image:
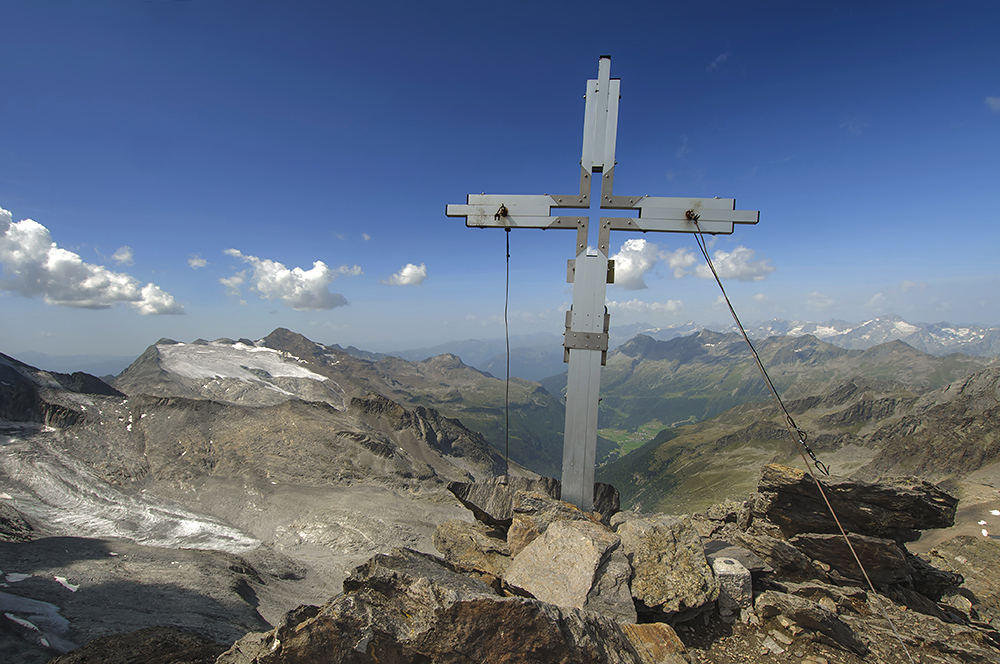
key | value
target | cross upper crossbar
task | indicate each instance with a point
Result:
(586, 337)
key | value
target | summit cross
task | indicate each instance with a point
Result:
(586, 336)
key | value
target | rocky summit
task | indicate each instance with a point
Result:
(728, 585)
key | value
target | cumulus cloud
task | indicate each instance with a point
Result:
(299, 289)
(123, 256)
(737, 264)
(197, 261)
(636, 306)
(409, 275)
(234, 282)
(34, 266)
(993, 103)
(635, 258)
(818, 300)
(722, 57)
(679, 261)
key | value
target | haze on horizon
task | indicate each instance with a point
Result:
(219, 169)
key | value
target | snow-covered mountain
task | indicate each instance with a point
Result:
(931, 338)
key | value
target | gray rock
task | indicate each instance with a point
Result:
(472, 545)
(533, 512)
(841, 598)
(669, 570)
(720, 548)
(408, 607)
(735, 588)
(491, 501)
(576, 564)
(778, 554)
(883, 560)
(895, 508)
(809, 615)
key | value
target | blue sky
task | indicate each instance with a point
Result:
(211, 168)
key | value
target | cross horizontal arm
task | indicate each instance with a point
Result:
(517, 211)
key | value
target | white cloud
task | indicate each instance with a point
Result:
(366, 237)
(993, 103)
(409, 275)
(877, 301)
(197, 261)
(637, 306)
(123, 256)
(33, 266)
(737, 264)
(352, 271)
(722, 57)
(759, 298)
(679, 261)
(302, 290)
(818, 300)
(234, 282)
(635, 258)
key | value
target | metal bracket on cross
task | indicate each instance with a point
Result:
(586, 336)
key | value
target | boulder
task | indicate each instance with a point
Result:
(670, 574)
(491, 501)
(895, 508)
(884, 561)
(533, 512)
(576, 564)
(809, 615)
(735, 588)
(776, 553)
(722, 549)
(411, 607)
(472, 545)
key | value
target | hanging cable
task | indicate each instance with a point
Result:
(797, 434)
(506, 392)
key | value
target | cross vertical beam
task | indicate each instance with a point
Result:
(586, 337)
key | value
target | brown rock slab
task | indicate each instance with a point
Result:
(897, 508)
(883, 560)
(656, 643)
(472, 545)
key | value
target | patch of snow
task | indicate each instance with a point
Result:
(985, 533)
(825, 331)
(72, 587)
(220, 361)
(14, 577)
(905, 328)
(5, 496)
(995, 512)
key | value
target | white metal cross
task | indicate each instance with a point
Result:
(586, 337)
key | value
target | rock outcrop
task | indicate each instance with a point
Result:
(574, 588)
